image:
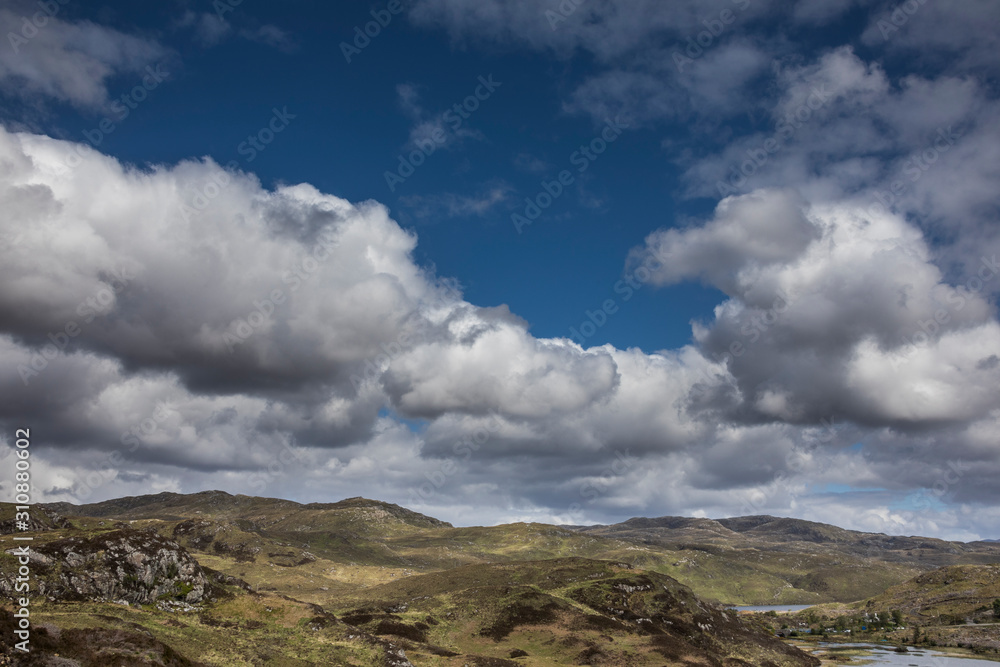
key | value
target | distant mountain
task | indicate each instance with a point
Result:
(264, 511)
(789, 534)
(742, 560)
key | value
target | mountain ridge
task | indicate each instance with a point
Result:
(213, 578)
(742, 525)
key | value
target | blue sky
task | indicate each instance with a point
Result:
(711, 324)
(351, 126)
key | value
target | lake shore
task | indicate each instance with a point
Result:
(837, 652)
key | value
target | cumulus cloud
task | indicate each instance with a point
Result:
(747, 233)
(835, 311)
(208, 340)
(286, 342)
(256, 318)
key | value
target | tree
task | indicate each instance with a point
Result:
(916, 634)
(897, 617)
(996, 608)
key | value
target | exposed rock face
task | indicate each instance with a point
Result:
(139, 567)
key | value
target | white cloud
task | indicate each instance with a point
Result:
(747, 233)
(361, 329)
(835, 311)
(70, 62)
(825, 293)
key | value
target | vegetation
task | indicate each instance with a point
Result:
(948, 607)
(217, 579)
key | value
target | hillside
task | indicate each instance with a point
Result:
(956, 593)
(953, 606)
(222, 588)
(271, 513)
(747, 560)
(793, 535)
(562, 611)
(374, 579)
(780, 560)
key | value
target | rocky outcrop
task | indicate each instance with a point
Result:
(40, 518)
(138, 567)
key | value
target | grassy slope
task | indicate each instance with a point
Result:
(360, 554)
(559, 611)
(955, 591)
(749, 560)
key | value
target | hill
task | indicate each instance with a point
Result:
(270, 513)
(563, 611)
(948, 594)
(953, 606)
(779, 560)
(746, 560)
(367, 575)
(160, 590)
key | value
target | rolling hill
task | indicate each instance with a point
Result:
(370, 583)
(745, 560)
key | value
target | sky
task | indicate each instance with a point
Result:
(507, 260)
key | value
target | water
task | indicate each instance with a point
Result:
(774, 607)
(881, 655)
